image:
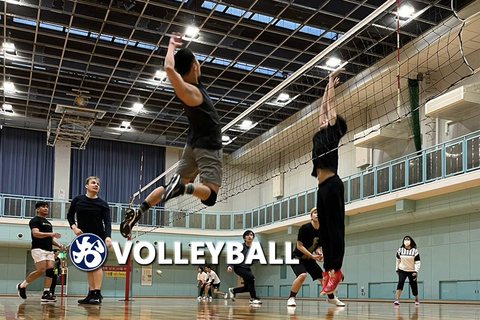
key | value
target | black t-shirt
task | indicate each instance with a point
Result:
(310, 237)
(325, 143)
(93, 216)
(43, 225)
(242, 264)
(205, 129)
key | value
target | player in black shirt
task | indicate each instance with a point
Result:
(245, 272)
(43, 238)
(330, 197)
(203, 151)
(308, 251)
(93, 216)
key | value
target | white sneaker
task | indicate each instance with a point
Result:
(336, 302)
(255, 301)
(203, 298)
(210, 299)
(232, 295)
(225, 296)
(199, 298)
(291, 302)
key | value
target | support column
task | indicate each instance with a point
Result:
(61, 180)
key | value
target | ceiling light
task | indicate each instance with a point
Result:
(125, 125)
(247, 125)
(137, 107)
(191, 31)
(160, 75)
(8, 86)
(282, 97)
(333, 62)
(406, 11)
(6, 107)
(9, 47)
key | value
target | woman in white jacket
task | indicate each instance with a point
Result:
(407, 265)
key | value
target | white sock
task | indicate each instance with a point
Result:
(24, 284)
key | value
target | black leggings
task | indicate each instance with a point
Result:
(248, 281)
(331, 216)
(402, 276)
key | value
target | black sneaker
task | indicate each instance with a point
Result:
(95, 299)
(22, 292)
(47, 297)
(131, 218)
(86, 299)
(173, 188)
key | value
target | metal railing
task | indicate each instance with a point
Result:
(450, 158)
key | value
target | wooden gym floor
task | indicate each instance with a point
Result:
(181, 308)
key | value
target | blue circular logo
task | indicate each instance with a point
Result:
(88, 252)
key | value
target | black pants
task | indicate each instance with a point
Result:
(331, 216)
(201, 289)
(402, 276)
(54, 284)
(248, 281)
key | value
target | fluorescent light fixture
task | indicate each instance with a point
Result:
(191, 31)
(125, 126)
(226, 140)
(137, 107)
(333, 62)
(283, 97)
(8, 86)
(333, 68)
(9, 47)
(247, 125)
(7, 106)
(160, 75)
(406, 11)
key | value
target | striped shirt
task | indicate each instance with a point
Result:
(407, 260)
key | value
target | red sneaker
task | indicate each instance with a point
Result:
(325, 277)
(335, 277)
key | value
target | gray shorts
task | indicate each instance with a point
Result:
(206, 162)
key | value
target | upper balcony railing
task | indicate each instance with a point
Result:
(450, 158)
(454, 157)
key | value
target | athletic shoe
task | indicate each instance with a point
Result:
(47, 297)
(291, 302)
(131, 218)
(255, 301)
(334, 279)
(210, 299)
(199, 298)
(173, 189)
(417, 302)
(231, 294)
(86, 299)
(336, 302)
(22, 292)
(225, 296)
(95, 299)
(396, 302)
